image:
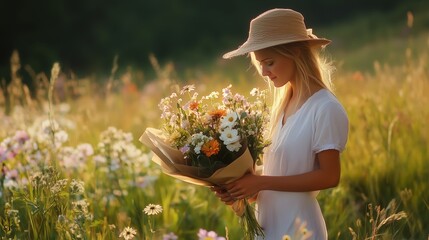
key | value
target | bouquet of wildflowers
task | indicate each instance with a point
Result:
(211, 140)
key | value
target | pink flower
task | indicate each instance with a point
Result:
(170, 236)
(12, 174)
(185, 149)
(5, 154)
(208, 235)
(21, 136)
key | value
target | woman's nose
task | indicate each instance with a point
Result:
(264, 72)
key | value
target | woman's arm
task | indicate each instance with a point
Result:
(327, 176)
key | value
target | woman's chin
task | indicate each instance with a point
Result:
(278, 85)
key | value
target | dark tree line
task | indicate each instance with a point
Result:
(86, 35)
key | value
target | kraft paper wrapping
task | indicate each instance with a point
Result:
(172, 163)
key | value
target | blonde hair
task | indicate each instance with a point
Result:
(310, 67)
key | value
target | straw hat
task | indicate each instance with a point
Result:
(275, 27)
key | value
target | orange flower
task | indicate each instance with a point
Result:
(194, 105)
(211, 147)
(217, 113)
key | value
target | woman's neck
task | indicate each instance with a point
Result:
(301, 94)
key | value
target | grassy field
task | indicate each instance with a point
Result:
(95, 179)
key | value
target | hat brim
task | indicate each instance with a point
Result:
(251, 47)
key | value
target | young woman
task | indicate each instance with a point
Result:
(309, 127)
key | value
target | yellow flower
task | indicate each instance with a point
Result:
(304, 231)
(211, 147)
(286, 237)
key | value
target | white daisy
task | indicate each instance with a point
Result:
(230, 120)
(234, 147)
(229, 135)
(128, 233)
(187, 88)
(152, 209)
(254, 92)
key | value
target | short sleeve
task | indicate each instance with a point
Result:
(331, 127)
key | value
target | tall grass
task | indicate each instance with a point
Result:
(384, 174)
(391, 138)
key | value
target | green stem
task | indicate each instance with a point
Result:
(250, 224)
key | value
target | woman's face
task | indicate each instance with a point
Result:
(275, 66)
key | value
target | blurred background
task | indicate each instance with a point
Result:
(119, 59)
(85, 36)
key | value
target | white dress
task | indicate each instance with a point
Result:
(320, 124)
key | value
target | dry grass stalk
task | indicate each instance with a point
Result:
(16, 92)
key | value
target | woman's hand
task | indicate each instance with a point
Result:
(246, 187)
(223, 195)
